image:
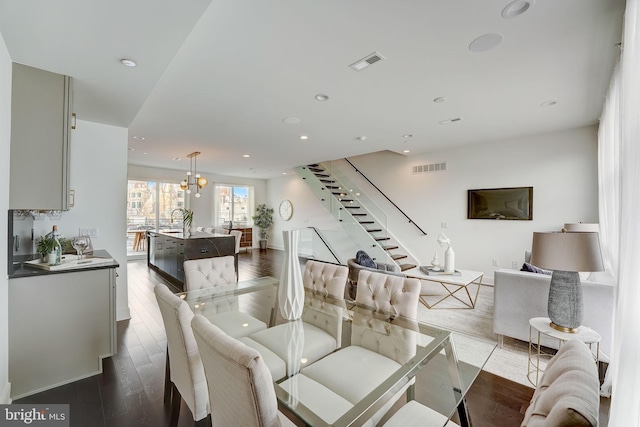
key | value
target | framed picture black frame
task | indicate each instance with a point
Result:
(514, 203)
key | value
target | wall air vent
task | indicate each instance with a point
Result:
(366, 61)
(433, 167)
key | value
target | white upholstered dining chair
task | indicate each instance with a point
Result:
(186, 373)
(223, 312)
(378, 348)
(240, 386)
(320, 327)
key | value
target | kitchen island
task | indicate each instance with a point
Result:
(167, 251)
(62, 322)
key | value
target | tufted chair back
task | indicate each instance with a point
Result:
(208, 272)
(390, 294)
(568, 392)
(328, 279)
(383, 337)
(187, 372)
(238, 235)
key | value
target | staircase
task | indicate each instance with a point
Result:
(360, 217)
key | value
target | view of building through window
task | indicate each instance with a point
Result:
(149, 207)
(233, 203)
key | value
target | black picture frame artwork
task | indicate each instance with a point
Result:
(515, 203)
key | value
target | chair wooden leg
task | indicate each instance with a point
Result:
(176, 400)
(167, 382)
(235, 262)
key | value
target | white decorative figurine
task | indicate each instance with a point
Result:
(449, 255)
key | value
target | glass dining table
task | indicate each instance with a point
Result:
(435, 366)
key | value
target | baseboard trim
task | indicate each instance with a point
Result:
(5, 396)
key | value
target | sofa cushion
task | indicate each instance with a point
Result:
(362, 258)
(533, 269)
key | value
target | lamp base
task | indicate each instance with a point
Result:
(565, 301)
(563, 329)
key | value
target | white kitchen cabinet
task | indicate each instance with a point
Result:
(61, 326)
(40, 128)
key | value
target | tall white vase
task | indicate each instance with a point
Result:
(291, 289)
(449, 260)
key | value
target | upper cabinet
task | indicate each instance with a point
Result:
(40, 134)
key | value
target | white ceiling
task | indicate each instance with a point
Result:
(220, 76)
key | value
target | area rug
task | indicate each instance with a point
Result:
(509, 360)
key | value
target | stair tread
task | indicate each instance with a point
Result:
(404, 267)
(373, 230)
(379, 239)
(389, 247)
(398, 256)
(352, 207)
(366, 222)
(359, 214)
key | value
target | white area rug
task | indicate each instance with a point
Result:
(508, 361)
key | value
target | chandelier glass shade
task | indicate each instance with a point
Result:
(193, 178)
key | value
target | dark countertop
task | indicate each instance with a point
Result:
(19, 270)
(192, 236)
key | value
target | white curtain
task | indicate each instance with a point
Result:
(620, 190)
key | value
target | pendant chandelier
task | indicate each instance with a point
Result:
(193, 177)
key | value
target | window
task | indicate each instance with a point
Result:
(233, 203)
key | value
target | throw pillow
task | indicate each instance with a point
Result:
(363, 259)
(533, 269)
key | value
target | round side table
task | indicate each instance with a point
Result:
(541, 326)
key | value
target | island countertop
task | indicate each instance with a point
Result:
(191, 236)
(18, 269)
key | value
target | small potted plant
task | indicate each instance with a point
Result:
(46, 247)
(263, 219)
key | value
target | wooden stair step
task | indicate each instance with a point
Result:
(404, 267)
(398, 256)
(352, 207)
(321, 175)
(366, 222)
(373, 230)
(339, 194)
(389, 247)
(316, 169)
(380, 239)
(346, 200)
(332, 187)
(358, 214)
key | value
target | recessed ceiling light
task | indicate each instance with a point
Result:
(284, 173)
(548, 103)
(246, 155)
(128, 62)
(517, 7)
(144, 154)
(439, 100)
(139, 138)
(407, 135)
(291, 120)
(361, 138)
(303, 137)
(486, 42)
(406, 151)
(177, 159)
(321, 97)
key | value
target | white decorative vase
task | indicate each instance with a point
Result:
(291, 289)
(435, 262)
(449, 260)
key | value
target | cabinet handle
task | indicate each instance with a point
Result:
(73, 120)
(204, 251)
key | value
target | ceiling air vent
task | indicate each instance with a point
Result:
(433, 167)
(366, 61)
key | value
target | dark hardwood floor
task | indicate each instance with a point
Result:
(129, 392)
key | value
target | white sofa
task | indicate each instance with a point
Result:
(519, 296)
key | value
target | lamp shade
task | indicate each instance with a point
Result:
(575, 251)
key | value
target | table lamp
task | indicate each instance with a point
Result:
(566, 254)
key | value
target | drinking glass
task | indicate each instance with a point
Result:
(80, 243)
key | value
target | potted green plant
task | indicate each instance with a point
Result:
(263, 219)
(46, 246)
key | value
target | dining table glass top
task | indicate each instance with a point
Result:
(436, 366)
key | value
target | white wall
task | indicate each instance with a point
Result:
(203, 214)
(5, 139)
(99, 178)
(561, 167)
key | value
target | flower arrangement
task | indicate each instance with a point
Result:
(443, 240)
